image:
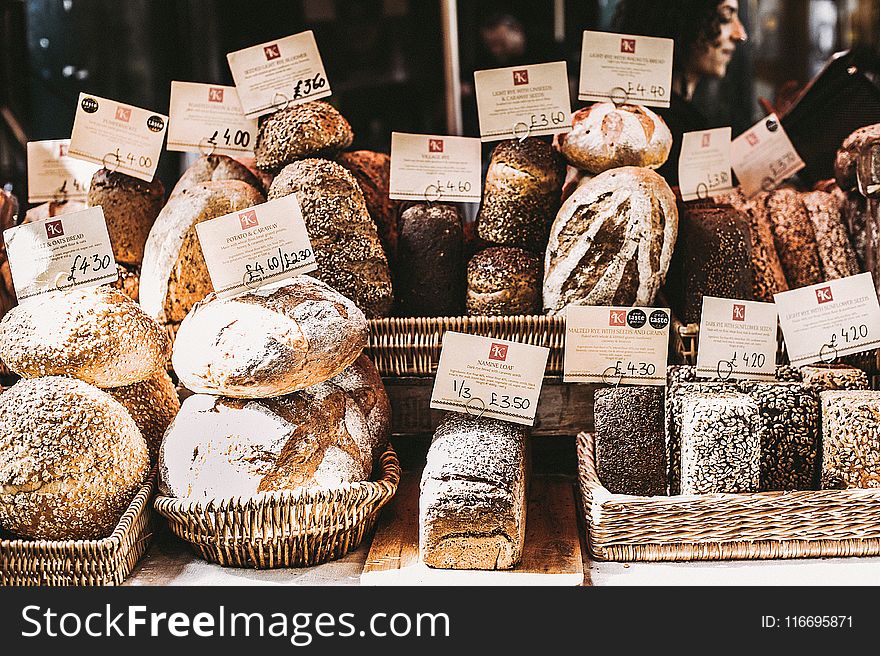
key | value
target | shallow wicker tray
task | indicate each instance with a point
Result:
(805, 524)
(82, 562)
(283, 529)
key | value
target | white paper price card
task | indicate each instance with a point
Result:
(737, 339)
(615, 345)
(278, 74)
(523, 101)
(826, 321)
(704, 165)
(254, 247)
(60, 253)
(626, 68)
(53, 175)
(118, 137)
(435, 168)
(763, 156)
(487, 377)
(208, 119)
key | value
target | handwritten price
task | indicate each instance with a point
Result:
(503, 401)
(718, 180)
(282, 262)
(239, 138)
(640, 90)
(849, 335)
(305, 87)
(781, 165)
(85, 264)
(634, 369)
(748, 360)
(141, 161)
(538, 121)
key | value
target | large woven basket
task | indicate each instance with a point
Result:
(805, 524)
(283, 529)
(82, 562)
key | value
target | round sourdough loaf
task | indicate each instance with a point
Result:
(98, 335)
(312, 129)
(71, 459)
(503, 280)
(269, 342)
(364, 384)
(152, 404)
(215, 168)
(612, 241)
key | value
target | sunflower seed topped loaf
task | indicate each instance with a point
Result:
(521, 194)
(215, 168)
(71, 460)
(272, 341)
(97, 334)
(605, 136)
(311, 129)
(848, 155)
(503, 280)
(834, 377)
(850, 439)
(152, 404)
(472, 501)
(373, 174)
(612, 241)
(795, 238)
(344, 237)
(836, 254)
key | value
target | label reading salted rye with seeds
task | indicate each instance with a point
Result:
(60, 253)
(55, 176)
(208, 119)
(254, 247)
(435, 168)
(704, 164)
(616, 345)
(826, 321)
(737, 339)
(763, 156)
(487, 377)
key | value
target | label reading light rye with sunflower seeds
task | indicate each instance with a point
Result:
(433, 168)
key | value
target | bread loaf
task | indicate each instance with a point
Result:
(345, 240)
(612, 241)
(848, 154)
(97, 334)
(834, 377)
(521, 194)
(472, 505)
(373, 174)
(51, 209)
(268, 342)
(605, 136)
(71, 460)
(265, 177)
(152, 404)
(311, 129)
(854, 210)
(130, 207)
(215, 168)
(503, 280)
(850, 439)
(430, 273)
(8, 217)
(129, 281)
(362, 382)
(795, 238)
(836, 254)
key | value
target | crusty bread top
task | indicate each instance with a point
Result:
(105, 180)
(541, 169)
(499, 267)
(311, 129)
(215, 168)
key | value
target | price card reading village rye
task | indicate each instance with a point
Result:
(208, 119)
(829, 320)
(737, 339)
(60, 253)
(625, 345)
(435, 168)
(763, 156)
(119, 137)
(53, 175)
(626, 68)
(523, 101)
(278, 74)
(704, 164)
(487, 377)
(250, 248)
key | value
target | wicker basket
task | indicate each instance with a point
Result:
(283, 529)
(82, 562)
(805, 524)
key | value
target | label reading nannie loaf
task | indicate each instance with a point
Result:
(487, 377)
(737, 339)
(704, 165)
(523, 101)
(826, 321)
(432, 168)
(278, 74)
(763, 156)
(118, 137)
(616, 345)
(60, 253)
(208, 119)
(626, 68)
(55, 176)
(248, 249)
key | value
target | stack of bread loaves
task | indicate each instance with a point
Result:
(78, 432)
(283, 397)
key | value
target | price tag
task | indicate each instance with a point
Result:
(763, 156)
(435, 168)
(829, 320)
(208, 119)
(278, 74)
(704, 165)
(737, 339)
(60, 253)
(615, 345)
(523, 101)
(248, 249)
(489, 377)
(53, 175)
(626, 68)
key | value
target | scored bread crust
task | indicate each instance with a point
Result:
(215, 168)
(312, 129)
(152, 404)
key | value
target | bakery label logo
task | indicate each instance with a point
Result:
(62, 150)
(707, 140)
(215, 95)
(272, 52)
(123, 113)
(617, 318)
(520, 77)
(498, 352)
(54, 229)
(628, 46)
(824, 295)
(739, 312)
(248, 219)
(752, 139)
(435, 145)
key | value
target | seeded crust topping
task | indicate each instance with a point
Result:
(153, 405)
(312, 129)
(503, 280)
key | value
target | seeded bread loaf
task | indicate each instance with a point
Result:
(129, 281)
(836, 254)
(373, 174)
(503, 280)
(848, 155)
(152, 404)
(215, 168)
(834, 377)
(71, 460)
(850, 439)
(311, 129)
(795, 238)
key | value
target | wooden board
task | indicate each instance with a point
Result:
(551, 555)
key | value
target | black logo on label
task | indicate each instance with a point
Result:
(636, 318)
(659, 319)
(156, 123)
(89, 105)
(772, 125)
